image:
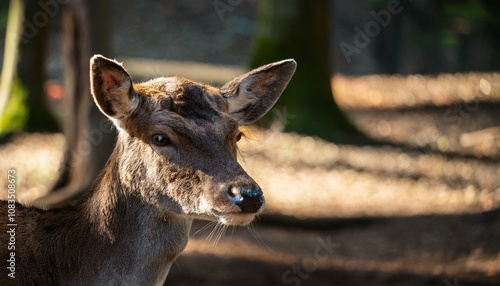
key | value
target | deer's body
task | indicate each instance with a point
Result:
(175, 160)
(107, 238)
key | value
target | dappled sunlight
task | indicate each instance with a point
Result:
(446, 113)
(309, 177)
(399, 91)
(375, 248)
(36, 158)
(432, 201)
(369, 149)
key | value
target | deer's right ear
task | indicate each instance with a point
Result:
(112, 88)
(253, 94)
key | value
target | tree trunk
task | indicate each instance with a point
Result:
(32, 45)
(14, 27)
(89, 138)
(299, 29)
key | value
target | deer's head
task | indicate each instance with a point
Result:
(178, 138)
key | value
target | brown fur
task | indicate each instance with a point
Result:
(134, 222)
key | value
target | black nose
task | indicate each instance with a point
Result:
(250, 200)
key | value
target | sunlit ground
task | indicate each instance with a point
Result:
(429, 208)
(307, 177)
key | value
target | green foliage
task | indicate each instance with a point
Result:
(15, 114)
(450, 38)
(470, 10)
(466, 11)
(3, 18)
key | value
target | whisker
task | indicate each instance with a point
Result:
(232, 232)
(211, 234)
(203, 227)
(257, 237)
(221, 232)
(214, 232)
(177, 264)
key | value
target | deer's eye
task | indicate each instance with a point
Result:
(161, 140)
(238, 137)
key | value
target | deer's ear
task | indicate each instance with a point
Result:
(112, 88)
(253, 94)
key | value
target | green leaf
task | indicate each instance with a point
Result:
(16, 112)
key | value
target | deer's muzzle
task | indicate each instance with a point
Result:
(249, 200)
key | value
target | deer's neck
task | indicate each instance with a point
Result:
(140, 241)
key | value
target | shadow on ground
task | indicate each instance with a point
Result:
(421, 250)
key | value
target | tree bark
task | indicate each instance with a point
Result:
(89, 138)
(299, 29)
(32, 45)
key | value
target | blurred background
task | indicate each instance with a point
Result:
(380, 162)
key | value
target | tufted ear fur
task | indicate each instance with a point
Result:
(112, 88)
(253, 94)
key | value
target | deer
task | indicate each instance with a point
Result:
(175, 160)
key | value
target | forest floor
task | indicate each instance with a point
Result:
(423, 209)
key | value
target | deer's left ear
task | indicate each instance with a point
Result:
(253, 94)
